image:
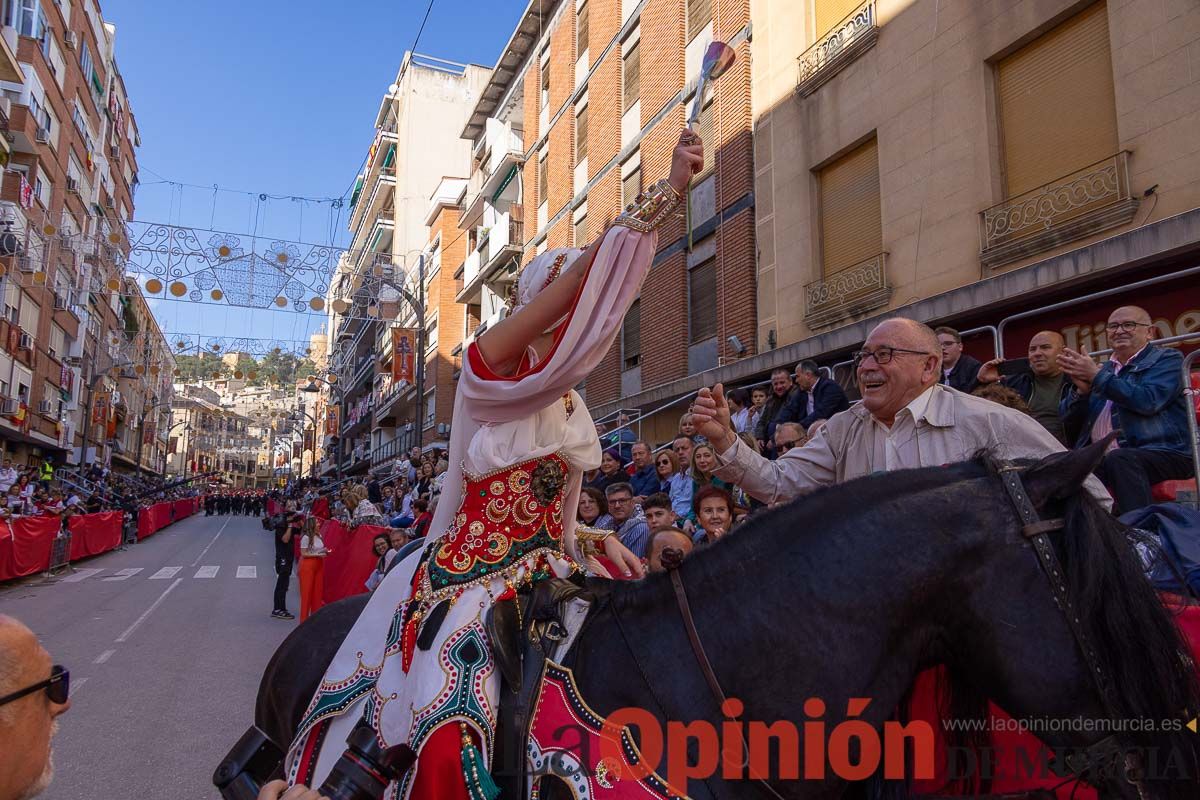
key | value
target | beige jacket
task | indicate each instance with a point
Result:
(940, 427)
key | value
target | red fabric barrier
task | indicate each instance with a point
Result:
(93, 534)
(1015, 750)
(351, 559)
(25, 545)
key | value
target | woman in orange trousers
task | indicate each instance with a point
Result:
(312, 569)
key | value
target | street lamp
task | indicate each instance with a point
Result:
(187, 428)
(142, 432)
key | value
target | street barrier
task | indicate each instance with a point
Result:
(28, 544)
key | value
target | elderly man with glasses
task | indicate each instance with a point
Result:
(1138, 393)
(906, 419)
(32, 696)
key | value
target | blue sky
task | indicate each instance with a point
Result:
(275, 97)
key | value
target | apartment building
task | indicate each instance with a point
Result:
(973, 164)
(67, 189)
(139, 406)
(416, 144)
(582, 112)
(206, 436)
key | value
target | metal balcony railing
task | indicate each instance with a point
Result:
(1085, 202)
(832, 52)
(847, 293)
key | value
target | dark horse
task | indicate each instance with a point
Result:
(849, 593)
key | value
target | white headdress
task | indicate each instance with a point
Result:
(540, 273)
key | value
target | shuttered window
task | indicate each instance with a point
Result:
(851, 230)
(543, 179)
(581, 135)
(699, 14)
(633, 76)
(581, 30)
(545, 83)
(704, 129)
(828, 13)
(1057, 107)
(631, 186)
(631, 336)
(581, 231)
(702, 301)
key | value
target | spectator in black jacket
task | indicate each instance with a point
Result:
(1044, 387)
(781, 389)
(815, 397)
(959, 370)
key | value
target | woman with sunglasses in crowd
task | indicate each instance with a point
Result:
(674, 481)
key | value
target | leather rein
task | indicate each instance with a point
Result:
(1036, 531)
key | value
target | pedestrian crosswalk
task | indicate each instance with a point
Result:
(204, 572)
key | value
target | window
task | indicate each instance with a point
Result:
(85, 61)
(543, 179)
(58, 342)
(42, 188)
(12, 300)
(699, 14)
(851, 231)
(23, 379)
(431, 335)
(631, 185)
(581, 135)
(581, 231)
(49, 392)
(633, 76)
(581, 30)
(430, 407)
(1057, 106)
(704, 129)
(545, 82)
(702, 301)
(24, 16)
(631, 336)
(828, 13)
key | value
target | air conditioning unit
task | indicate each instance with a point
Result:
(26, 342)
(108, 203)
(26, 264)
(10, 406)
(73, 361)
(45, 407)
(69, 40)
(42, 135)
(114, 151)
(61, 302)
(72, 185)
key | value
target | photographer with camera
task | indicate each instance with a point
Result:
(287, 526)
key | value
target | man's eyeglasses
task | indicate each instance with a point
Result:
(783, 447)
(1128, 327)
(883, 355)
(57, 686)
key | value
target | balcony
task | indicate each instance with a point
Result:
(390, 451)
(833, 52)
(846, 294)
(1081, 204)
(500, 151)
(500, 244)
(382, 191)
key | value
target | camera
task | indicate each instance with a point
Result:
(362, 772)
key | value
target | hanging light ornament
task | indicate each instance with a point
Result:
(181, 344)
(154, 286)
(316, 304)
(113, 285)
(39, 278)
(237, 373)
(340, 306)
(177, 371)
(252, 375)
(216, 294)
(178, 288)
(114, 237)
(49, 229)
(372, 311)
(154, 370)
(140, 369)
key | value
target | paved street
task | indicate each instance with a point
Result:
(166, 642)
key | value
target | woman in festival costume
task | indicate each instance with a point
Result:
(417, 665)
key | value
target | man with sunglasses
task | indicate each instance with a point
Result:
(1138, 393)
(906, 419)
(33, 693)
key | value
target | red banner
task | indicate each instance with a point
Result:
(351, 559)
(100, 409)
(331, 420)
(404, 348)
(93, 534)
(25, 545)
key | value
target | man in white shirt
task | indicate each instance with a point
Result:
(8, 476)
(904, 420)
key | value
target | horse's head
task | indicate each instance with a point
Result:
(1012, 639)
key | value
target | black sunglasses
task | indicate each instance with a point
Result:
(57, 686)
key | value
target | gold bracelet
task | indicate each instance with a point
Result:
(651, 208)
(590, 538)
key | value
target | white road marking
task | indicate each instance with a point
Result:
(129, 631)
(105, 656)
(76, 685)
(82, 575)
(247, 572)
(165, 573)
(210, 544)
(124, 574)
(207, 572)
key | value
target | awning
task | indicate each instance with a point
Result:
(358, 185)
(504, 184)
(389, 158)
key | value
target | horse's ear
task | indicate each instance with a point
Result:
(1060, 475)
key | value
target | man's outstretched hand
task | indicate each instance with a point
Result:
(710, 413)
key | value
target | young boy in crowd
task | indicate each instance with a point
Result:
(658, 512)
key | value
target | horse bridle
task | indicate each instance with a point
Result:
(1036, 531)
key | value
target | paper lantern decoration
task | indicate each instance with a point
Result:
(39, 278)
(223, 251)
(341, 306)
(113, 285)
(252, 375)
(181, 344)
(215, 347)
(276, 351)
(216, 294)
(372, 311)
(114, 237)
(316, 304)
(177, 371)
(281, 301)
(154, 286)
(154, 370)
(237, 373)
(332, 378)
(178, 289)
(140, 369)
(49, 229)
